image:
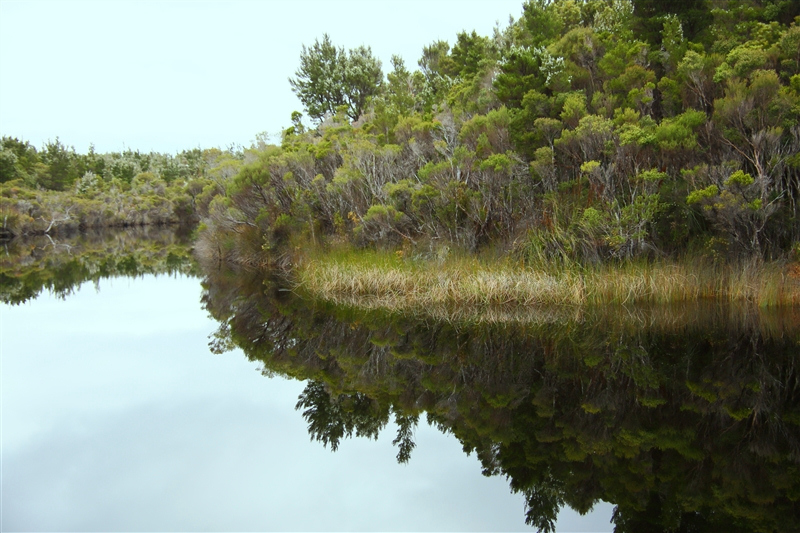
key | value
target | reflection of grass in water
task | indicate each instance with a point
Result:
(499, 290)
(771, 322)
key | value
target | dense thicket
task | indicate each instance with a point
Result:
(584, 130)
(56, 189)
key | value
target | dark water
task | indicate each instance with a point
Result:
(119, 415)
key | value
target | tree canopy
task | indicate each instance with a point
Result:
(329, 77)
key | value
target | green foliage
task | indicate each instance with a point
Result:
(602, 130)
(541, 22)
(436, 61)
(497, 162)
(652, 175)
(741, 61)
(468, 53)
(520, 72)
(573, 109)
(8, 166)
(694, 17)
(381, 224)
(329, 77)
(61, 165)
(18, 160)
(679, 132)
(590, 166)
(739, 178)
(703, 194)
(59, 190)
(401, 96)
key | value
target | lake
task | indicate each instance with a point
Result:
(141, 391)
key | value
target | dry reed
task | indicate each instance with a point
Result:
(381, 280)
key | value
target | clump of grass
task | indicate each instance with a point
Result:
(387, 279)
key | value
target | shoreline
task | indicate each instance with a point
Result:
(371, 279)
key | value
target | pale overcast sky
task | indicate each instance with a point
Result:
(168, 76)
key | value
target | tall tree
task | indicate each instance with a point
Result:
(329, 78)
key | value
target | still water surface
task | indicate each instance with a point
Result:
(141, 391)
(116, 416)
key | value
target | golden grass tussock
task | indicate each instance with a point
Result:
(373, 279)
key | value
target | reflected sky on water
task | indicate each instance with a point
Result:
(117, 417)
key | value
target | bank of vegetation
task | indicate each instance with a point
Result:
(55, 190)
(595, 137)
(585, 135)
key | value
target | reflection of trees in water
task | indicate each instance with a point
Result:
(688, 425)
(60, 265)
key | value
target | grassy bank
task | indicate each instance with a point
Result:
(389, 280)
